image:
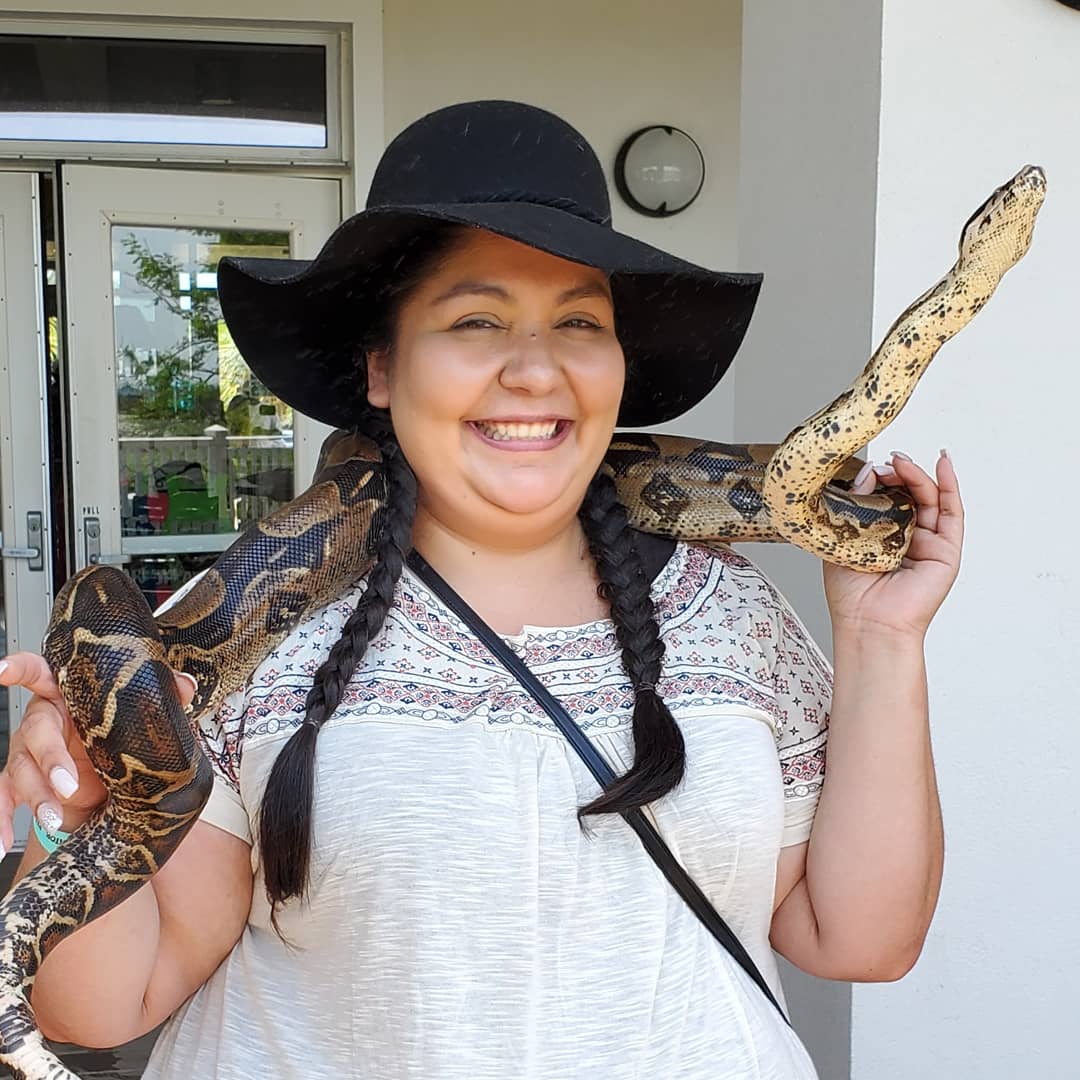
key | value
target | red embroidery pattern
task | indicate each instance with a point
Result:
(731, 640)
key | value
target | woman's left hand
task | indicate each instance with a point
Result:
(905, 600)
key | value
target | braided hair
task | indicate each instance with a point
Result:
(659, 750)
(285, 815)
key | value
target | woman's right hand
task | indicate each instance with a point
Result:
(47, 767)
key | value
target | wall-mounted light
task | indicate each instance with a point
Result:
(659, 170)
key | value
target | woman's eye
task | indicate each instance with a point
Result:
(582, 324)
(475, 324)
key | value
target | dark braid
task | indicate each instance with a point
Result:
(285, 816)
(659, 751)
(286, 811)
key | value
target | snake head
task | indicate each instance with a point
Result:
(1002, 227)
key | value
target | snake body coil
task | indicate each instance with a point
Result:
(112, 659)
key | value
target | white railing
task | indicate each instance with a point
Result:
(249, 475)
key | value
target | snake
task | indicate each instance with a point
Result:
(113, 659)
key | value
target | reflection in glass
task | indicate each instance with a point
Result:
(204, 447)
(159, 576)
(131, 90)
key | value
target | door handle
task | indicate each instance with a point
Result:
(92, 546)
(33, 552)
(20, 553)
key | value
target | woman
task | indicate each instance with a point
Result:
(390, 879)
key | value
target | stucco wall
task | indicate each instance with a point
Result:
(869, 134)
(995, 85)
(806, 204)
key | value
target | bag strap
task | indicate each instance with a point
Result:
(653, 843)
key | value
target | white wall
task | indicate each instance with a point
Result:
(869, 133)
(806, 203)
(994, 85)
(608, 70)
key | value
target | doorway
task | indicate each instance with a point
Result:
(164, 446)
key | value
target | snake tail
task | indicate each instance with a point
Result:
(113, 661)
(994, 239)
(123, 702)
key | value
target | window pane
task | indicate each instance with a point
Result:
(204, 447)
(194, 92)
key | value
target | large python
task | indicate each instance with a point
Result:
(112, 659)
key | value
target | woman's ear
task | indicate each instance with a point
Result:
(378, 379)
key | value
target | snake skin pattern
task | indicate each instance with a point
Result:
(112, 659)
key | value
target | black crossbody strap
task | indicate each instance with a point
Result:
(654, 844)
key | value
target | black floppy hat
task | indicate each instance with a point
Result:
(525, 174)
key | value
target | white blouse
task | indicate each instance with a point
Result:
(460, 924)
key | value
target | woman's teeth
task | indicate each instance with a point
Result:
(501, 432)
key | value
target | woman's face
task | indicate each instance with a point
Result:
(503, 384)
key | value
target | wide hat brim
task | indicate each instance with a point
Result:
(298, 323)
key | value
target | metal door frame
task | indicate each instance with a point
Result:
(24, 452)
(89, 317)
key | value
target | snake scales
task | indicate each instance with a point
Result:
(113, 659)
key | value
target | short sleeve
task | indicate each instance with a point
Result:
(220, 743)
(226, 811)
(802, 685)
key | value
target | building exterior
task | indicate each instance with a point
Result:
(845, 144)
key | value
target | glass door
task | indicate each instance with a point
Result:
(26, 361)
(175, 445)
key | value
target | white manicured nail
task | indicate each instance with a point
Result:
(900, 454)
(50, 819)
(3, 850)
(64, 784)
(884, 470)
(3, 666)
(862, 474)
(190, 678)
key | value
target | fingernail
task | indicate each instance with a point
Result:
(3, 666)
(900, 454)
(862, 474)
(884, 470)
(944, 453)
(50, 818)
(64, 784)
(190, 678)
(3, 850)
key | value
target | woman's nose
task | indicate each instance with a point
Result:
(531, 364)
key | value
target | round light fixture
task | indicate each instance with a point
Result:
(659, 170)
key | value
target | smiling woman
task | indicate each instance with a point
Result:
(504, 389)
(441, 889)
